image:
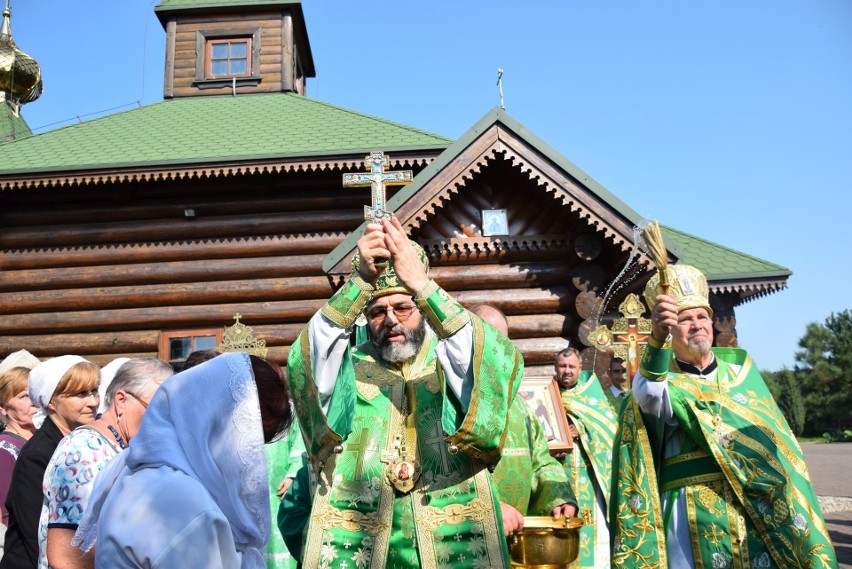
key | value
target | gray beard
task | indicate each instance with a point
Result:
(700, 347)
(400, 352)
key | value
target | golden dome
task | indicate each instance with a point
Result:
(20, 74)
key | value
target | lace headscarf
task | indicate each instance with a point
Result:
(204, 422)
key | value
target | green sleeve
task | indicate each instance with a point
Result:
(655, 361)
(322, 432)
(550, 484)
(496, 369)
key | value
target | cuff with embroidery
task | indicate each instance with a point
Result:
(344, 307)
(655, 362)
(443, 312)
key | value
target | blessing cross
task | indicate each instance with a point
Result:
(377, 179)
(628, 335)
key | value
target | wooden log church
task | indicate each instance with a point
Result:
(144, 232)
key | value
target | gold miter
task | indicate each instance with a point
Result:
(686, 283)
(388, 283)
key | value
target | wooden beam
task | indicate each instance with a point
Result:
(178, 229)
(174, 317)
(277, 245)
(51, 345)
(516, 275)
(520, 301)
(138, 296)
(540, 351)
(159, 273)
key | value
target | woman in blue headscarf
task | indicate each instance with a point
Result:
(191, 491)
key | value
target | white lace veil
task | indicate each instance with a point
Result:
(206, 423)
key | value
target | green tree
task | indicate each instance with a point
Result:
(784, 386)
(824, 373)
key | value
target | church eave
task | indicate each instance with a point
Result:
(750, 289)
(123, 173)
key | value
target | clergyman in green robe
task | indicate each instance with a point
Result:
(401, 429)
(707, 473)
(589, 465)
(529, 481)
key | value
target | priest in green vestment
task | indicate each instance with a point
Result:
(589, 465)
(401, 429)
(707, 472)
(529, 481)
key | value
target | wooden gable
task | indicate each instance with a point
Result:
(565, 243)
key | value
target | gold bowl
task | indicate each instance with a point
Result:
(545, 543)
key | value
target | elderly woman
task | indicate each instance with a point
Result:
(191, 491)
(16, 407)
(85, 451)
(66, 390)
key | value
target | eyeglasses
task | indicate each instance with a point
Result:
(402, 312)
(144, 404)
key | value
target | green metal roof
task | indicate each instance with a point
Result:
(12, 126)
(719, 263)
(211, 129)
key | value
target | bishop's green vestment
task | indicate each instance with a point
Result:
(589, 465)
(527, 477)
(708, 472)
(401, 458)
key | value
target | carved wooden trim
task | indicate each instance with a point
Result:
(207, 171)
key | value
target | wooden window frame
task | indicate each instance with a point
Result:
(203, 41)
(208, 57)
(163, 347)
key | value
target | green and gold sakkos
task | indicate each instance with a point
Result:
(749, 498)
(591, 460)
(381, 417)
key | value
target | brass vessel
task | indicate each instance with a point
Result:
(545, 543)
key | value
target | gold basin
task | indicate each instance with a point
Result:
(545, 543)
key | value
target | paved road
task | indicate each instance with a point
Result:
(830, 466)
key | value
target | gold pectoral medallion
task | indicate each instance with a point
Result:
(402, 473)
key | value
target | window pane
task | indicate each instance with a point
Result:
(179, 348)
(219, 51)
(239, 50)
(219, 68)
(205, 342)
(238, 67)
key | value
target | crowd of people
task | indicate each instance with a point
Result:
(409, 449)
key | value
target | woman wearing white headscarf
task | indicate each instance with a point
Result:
(191, 491)
(66, 390)
(84, 452)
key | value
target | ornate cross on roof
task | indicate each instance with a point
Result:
(628, 335)
(377, 179)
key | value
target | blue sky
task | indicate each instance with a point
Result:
(726, 119)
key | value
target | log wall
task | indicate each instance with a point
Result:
(101, 272)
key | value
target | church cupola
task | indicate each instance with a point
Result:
(20, 83)
(218, 47)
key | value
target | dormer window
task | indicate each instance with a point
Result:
(228, 57)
